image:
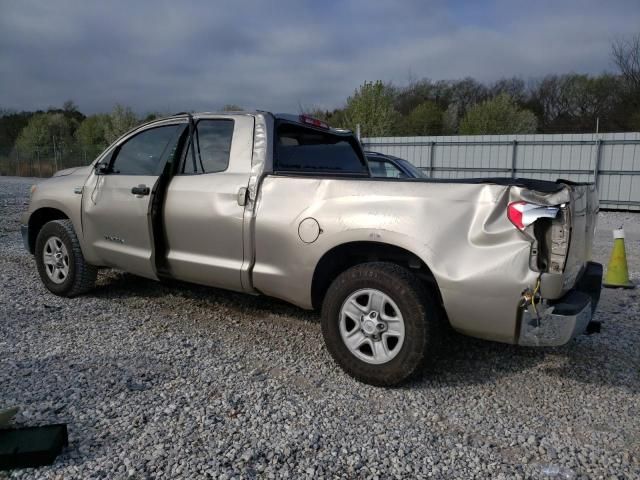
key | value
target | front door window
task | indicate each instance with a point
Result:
(142, 154)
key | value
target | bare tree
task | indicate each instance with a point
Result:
(69, 106)
(626, 55)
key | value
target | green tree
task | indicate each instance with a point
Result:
(451, 119)
(45, 131)
(70, 111)
(11, 124)
(409, 97)
(91, 132)
(35, 135)
(514, 87)
(149, 117)
(121, 120)
(425, 119)
(335, 118)
(371, 106)
(499, 115)
(634, 121)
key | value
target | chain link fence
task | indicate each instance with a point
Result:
(44, 161)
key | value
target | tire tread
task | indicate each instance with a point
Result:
(85, 274)
(423, 303)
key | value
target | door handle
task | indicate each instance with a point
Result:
(141, 190)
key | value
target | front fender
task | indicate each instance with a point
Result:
(60, 194)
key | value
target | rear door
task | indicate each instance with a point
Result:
(117, 204)
(203, 214)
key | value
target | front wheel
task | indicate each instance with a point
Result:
(379, 323)
(61, 265)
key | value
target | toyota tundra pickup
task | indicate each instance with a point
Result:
(286, 206)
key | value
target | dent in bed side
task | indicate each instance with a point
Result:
(460, 232)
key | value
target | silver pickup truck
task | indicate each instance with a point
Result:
(286, 206)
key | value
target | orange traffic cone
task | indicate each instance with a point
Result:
(617, 272)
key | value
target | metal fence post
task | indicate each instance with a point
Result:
(596, 169)
(431, 157)
(514, 156)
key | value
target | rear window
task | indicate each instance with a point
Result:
(302, 149)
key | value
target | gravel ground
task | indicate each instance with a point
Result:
(180, 381)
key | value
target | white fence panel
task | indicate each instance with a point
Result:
(612, 160)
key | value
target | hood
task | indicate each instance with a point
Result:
(70, 171)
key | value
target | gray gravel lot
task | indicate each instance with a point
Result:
(178, 381)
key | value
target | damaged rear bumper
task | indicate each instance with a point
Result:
(564, 319)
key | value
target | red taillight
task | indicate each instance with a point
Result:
(523, 214)
(314, 121)
(514, 213)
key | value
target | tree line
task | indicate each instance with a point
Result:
(566, 103)
(62, 129)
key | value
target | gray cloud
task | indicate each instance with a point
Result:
(171, 56)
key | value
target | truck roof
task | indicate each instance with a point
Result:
(289, 117)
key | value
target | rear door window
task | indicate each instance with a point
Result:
(212, 140)
(302, 149)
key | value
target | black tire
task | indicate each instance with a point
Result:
(420, 311)
(81, 276)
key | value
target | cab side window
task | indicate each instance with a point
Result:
(391, 171)
(212, 140)
(143, 153)
(385, 169)
(377, 168)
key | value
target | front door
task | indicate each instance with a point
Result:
(117, 204)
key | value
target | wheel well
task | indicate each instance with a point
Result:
(38, 219)
(345, 256)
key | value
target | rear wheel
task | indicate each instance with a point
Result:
(61, 265)
(379, 323)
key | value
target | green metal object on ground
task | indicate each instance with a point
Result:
(31, 446)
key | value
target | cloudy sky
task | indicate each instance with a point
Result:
(277, 55)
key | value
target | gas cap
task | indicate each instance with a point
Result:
(309, 230)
